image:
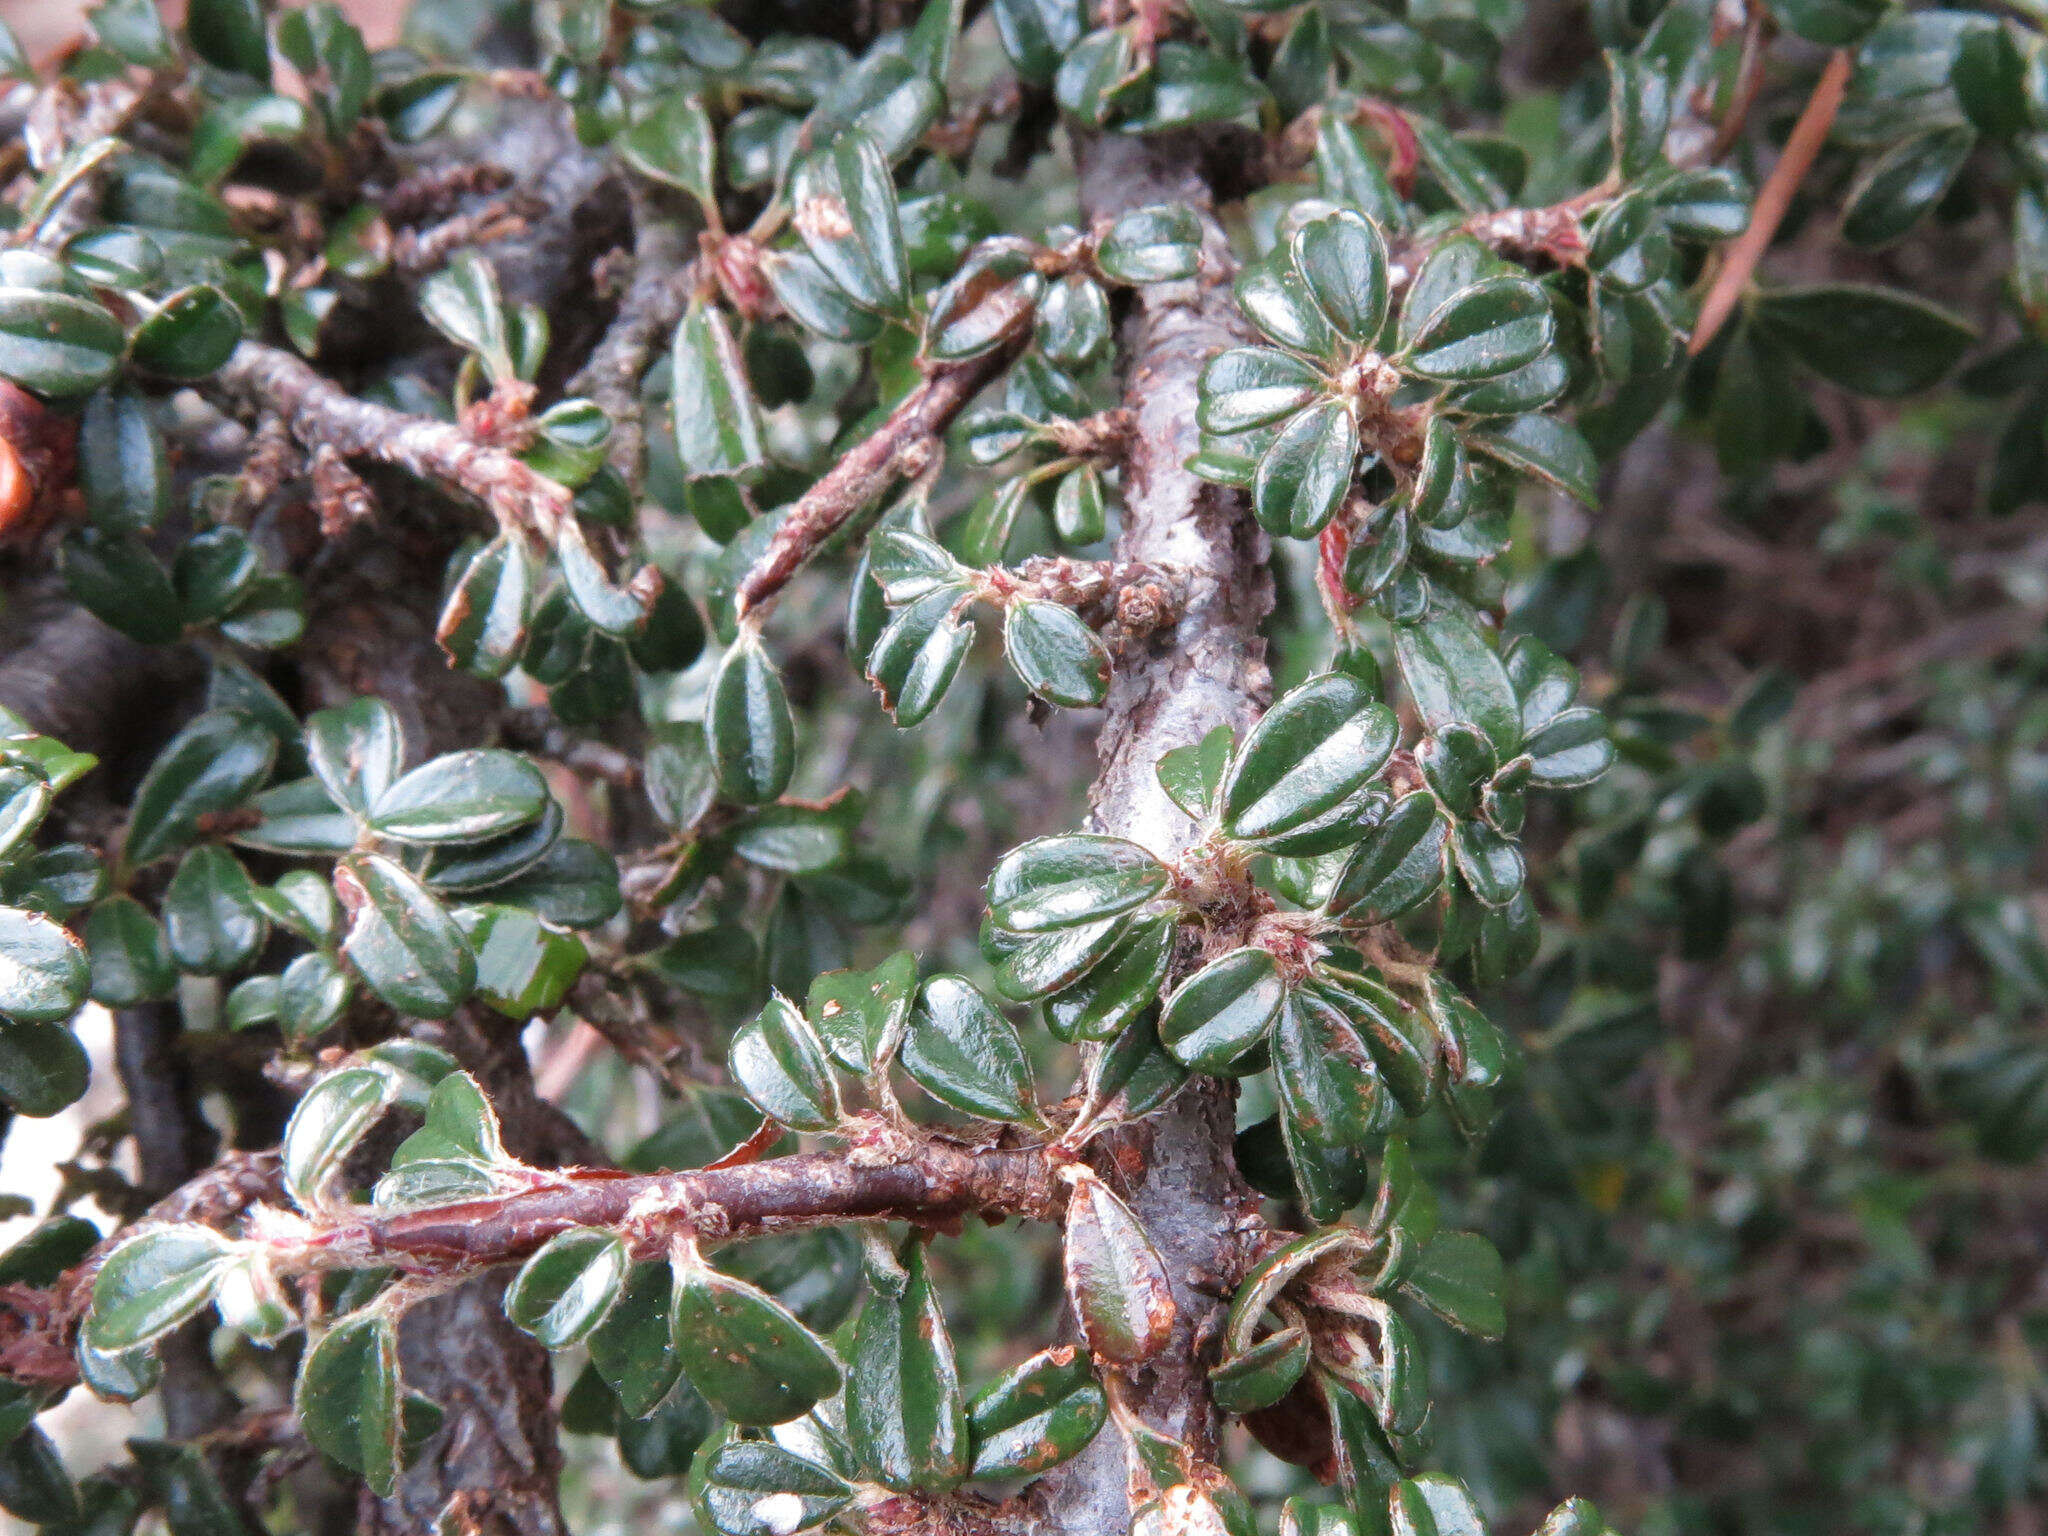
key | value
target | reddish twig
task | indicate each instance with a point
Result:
(1774, 200)
(903, 447)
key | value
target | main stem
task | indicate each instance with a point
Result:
(1207, 670)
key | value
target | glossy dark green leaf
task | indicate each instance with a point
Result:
(1073, 321)
(1342, 259)
(348, 1397)
(460, 797)
(43, 1068)
(1989, 77)
(1036, 1415)
(1261, 1375)
(1902, 186)
(1459, 1278)
(44, 972)
(814, 301)
(1191, 775)
(1057, 656)
(747, 718)
(214, 764)
(34, 1486)
(575, 884)
(1313, 750)
(844, 206)
(1158, 243)
(631, 1346)
(1223, 1010)
(757, 1488)
(1831, 23)
(1041, 964)
(1119, 987)
(402, 941)
(744, 1351)
(714, 416)
(1248, 387)
(1630, 248)
(190, 335)
(563, 1292)
(1481, 332)
(1453, 675)
(1059, 882)
(1638, 113)
(130, 962)
(1402, 1043)
(1276, 299)
(115, 576)
(1304, 476)
(675, 143)
(778, 1062)
(904, 1416)
(122, 470)
(212, 919)
(1327, 1078)
(523, 966)
(1570, 749)
(356, 751)
(152, 1283)
(231, 35)
(56, 344)
(330, 1119)
(1115, 1279)
(1875, 341)
(917, 656)
(1350, 174)
(965, 1054)
(860, 1016)
(991, 301)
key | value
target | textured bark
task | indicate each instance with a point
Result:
(1207, 670)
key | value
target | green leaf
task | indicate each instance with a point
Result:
(1073, 325)
(1630, 247)
(43, 1068)
(1327, 1079)
(523, 966)
(747, 718)
(1403, 1044)
(214, 764)
(402, 941)
(631, 1347)
(1190, 775)
(744, 1351)
(44, 973)
(618, 611)
(56, 344)
(1433, 1505)
(676, 144)
(1276, 299)
(860, 1016)
(778, 1062)
(1491, 328)
(1260, 1376)
(716, 422)
(230, 34)
(1342, 259)
(211, 916)
(564, 1291)
(1831, 23)
(121, 582)
(1121, 985)
(919, 654)
(1045, 963)
(460, 1126)
(844, 207)
(904, 1416)
(1248, 387)
(152, 1283)
(1057, 656)
(1063, 881)
(991, 301)
(463, 303)
(1115, 1279)
(1453, 675)
(1989, 77)
(1223, 1010)
(575, 884)
(189, 336)
(1310, 753)
(122, 469)
(1037, 1414)
(1303, 478)
(330, 1119)
(213, 572)
(347, 1397)
(1159, 243)
(1570, 749)
(757, 1488)
(130, 963)
(1638, 113)
(1874, 341)
(1902, 186)
(966, 1055)
(461, 797)
(356, 751)
(1459, 1278)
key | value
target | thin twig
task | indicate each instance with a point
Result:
(1773, 201)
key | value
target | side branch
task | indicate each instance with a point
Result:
(903, 447)
(319, 411)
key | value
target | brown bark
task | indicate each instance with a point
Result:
(1207, 670)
